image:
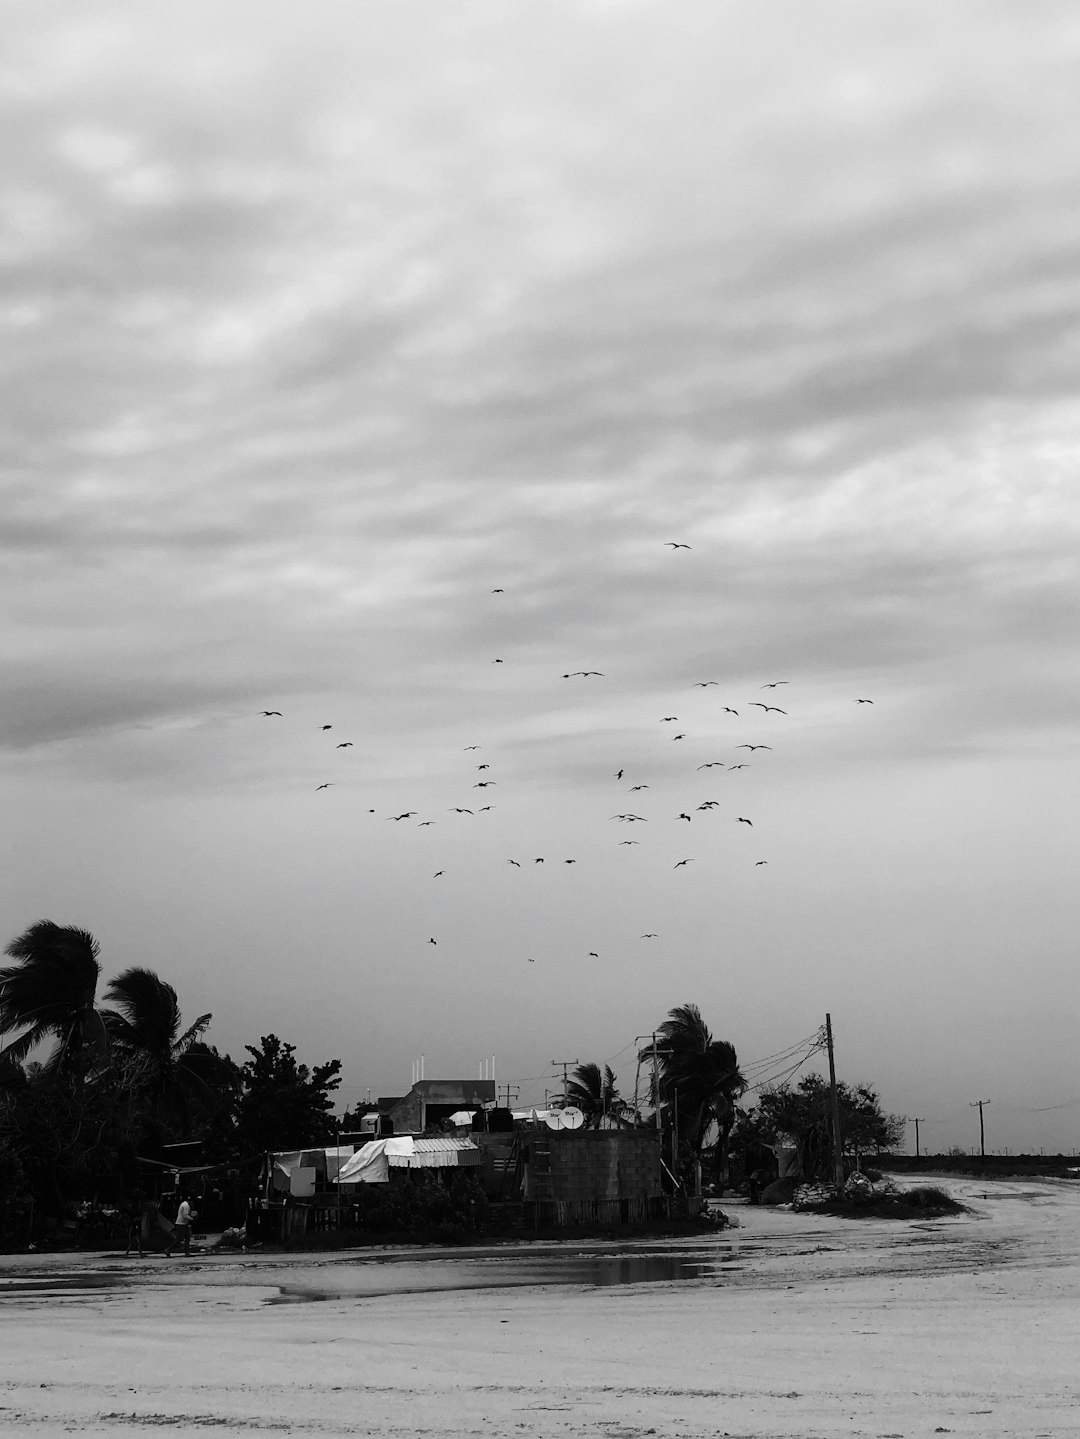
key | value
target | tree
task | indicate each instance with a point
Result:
(283, 1104)
(182, 1076)
(595, 1093)
(804, 1113)
(50, 994)
(700, 1079)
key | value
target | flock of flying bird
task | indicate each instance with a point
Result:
(622, 817)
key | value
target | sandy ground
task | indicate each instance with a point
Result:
(793, 1326)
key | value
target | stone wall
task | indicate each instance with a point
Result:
(591, 1164)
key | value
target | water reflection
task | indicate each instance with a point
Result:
(372, 1280)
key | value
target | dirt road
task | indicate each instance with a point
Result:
(789, 1327)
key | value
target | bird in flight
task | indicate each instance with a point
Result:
(630, 818)
(268, 713)
(738, 766)
(681, 863)
(569, 861)
(729, 711)
(437, 873)
(686, 817)
(667, 719)
(775, 708)
(485, 783)
(678, 736)
(635, 787)
(709, 804)
(483, 766)
(864, 702)
(753, 746)
(514, 863)
(473, 746)
(407, 815)
(593, 954)
(424, 822)
(619, 774)
(760, 861)
(538, 861)
(675, 545)
(485, 808)
(345, 744)
(323, 786)
(583, 673)
(496, 662)
(774, 683)
(629, 841)
(704, 684)
(650, 936)
(711, 764)
(740, 820)
(431, 941)
(326, 726)
(455, 810)
(498, 592)
(530, 961)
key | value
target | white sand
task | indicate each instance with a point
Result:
(812, 1328)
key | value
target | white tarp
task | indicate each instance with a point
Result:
(336, 1159)
(370, 1163)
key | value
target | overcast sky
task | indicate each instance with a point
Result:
(360, 361)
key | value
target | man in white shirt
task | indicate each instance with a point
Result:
(182, 1228)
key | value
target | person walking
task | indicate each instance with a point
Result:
(134, 1224)
(181, 1234)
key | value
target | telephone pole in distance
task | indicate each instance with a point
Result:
(916, 1122)
(838, 1153)
(978, 1104)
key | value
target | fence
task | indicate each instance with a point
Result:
(562, 1213)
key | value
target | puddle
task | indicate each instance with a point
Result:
(587, 1271)
(67, 1282)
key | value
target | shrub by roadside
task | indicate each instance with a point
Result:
(864, 1200)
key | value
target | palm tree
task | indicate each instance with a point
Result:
(145, 1026)
(595, 1094)
(700, 1076)
(50, 994)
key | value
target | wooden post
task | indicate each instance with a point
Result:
(978, 1103)
(838, 1153)
(656, 1082)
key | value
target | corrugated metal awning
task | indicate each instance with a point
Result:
(443, 1152)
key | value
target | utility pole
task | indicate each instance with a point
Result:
(834, 1104)
(656, 1084)
(916, 1123)
(564, 1065)
(978, 1104)
(340, 1161)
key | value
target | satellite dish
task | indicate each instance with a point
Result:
(568, 1118)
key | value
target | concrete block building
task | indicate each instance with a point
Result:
(431, 1101)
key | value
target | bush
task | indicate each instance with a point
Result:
(923, 1202)
(420, 1201)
